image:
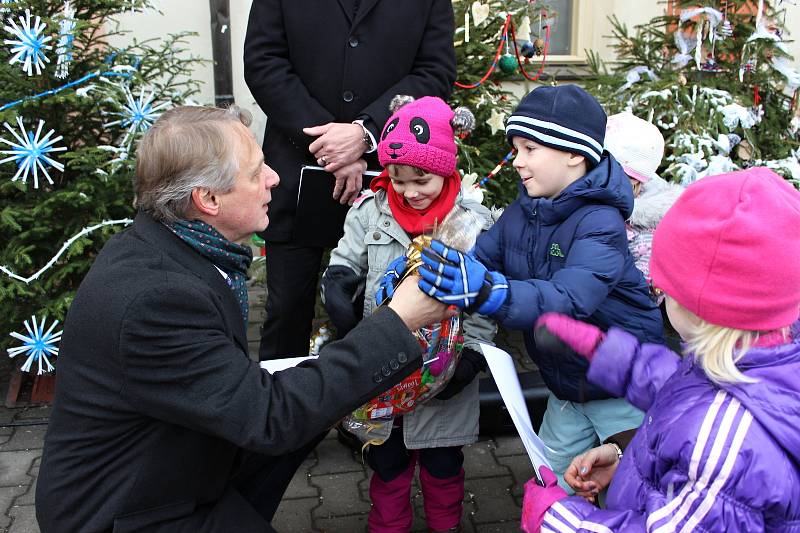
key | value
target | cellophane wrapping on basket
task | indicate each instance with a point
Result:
(441, 343)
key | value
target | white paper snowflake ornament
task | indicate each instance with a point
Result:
(32, 152)
(38, 345)
(30, 43)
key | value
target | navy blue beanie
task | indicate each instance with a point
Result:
(564, 117)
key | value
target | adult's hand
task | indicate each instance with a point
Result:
(348, 182)
(415, 308)
(337, 145)
(591, 472)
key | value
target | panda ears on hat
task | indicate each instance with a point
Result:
(463, 121)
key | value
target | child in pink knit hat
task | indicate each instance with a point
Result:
(419, 187)
(719, 449)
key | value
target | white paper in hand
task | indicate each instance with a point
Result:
(505, 375)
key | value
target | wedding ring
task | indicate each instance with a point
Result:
(323, 162)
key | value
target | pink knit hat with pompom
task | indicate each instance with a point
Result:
(421, 133)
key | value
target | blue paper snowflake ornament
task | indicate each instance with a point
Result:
(30, 43)
(136, 114)
(38, 345)
(31, 152)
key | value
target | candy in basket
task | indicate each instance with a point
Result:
(441, 344)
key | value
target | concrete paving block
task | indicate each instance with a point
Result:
(342, 524)
(23, 519)
(493, 501)
(334, 458)
(300, 486)
(521, 471)
(340, 495)
(508, 445)
(480, 462)
(14, 467)
(295, 515)
(7, 497)
(25, 438)
(36, 412)
(29, 497)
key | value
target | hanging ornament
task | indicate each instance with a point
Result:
(66, 38)
(725, 29)
(525, 27)
(538, 46)
(29, 45)
(497, 121)
(37, 345)
(466, 26)
(508, 63)
(480, 12)
(744, 151)
(136, 115)
(528, 50)
(30, 153)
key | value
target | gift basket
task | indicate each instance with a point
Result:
(441, 343)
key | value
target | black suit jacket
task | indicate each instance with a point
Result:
(156, 395)
(310, 62)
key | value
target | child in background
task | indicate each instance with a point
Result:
(418, 188)
(639, 147)
(720, 446)
(561, 246)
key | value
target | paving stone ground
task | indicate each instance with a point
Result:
(328, 494)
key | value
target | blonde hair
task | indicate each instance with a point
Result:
(718, 349)
(186, 148)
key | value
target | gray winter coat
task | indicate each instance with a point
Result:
(372, 239)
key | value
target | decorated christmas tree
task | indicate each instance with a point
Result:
(716, 78)
(72, 107)
(495, 41)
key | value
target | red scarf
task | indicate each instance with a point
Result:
(417, 221)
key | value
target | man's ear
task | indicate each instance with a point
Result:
(205, 201)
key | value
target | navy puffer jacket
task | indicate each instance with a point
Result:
(570, 255)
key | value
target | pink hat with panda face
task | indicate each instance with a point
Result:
(420, 134)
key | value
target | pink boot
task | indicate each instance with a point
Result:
(391, 502)
(443, 500)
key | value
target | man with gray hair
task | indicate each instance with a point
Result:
(161, 422)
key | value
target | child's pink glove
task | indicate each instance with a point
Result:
(538, 499)
(579, 336)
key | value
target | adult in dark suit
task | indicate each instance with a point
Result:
(315, 68)
(161, 422)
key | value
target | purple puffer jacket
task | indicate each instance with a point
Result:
(706, 458)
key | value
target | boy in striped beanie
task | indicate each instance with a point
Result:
(560, 246)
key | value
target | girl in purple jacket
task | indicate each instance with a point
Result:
(719, 449)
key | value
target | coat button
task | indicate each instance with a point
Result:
(386, 223)
(402, 357)
(376, 236)
(347, 96)
(393, 364)
(376, 377)
(353, 42)
(386, 371)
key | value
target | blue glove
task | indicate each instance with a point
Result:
(390, 279)
(453, 277)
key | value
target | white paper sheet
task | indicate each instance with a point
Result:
(275, 365)
(505, 375)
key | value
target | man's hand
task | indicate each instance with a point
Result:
(348, 182)
(591, 472)
(415, 308)
(337, 144)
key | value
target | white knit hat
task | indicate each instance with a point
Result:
(637, 144)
